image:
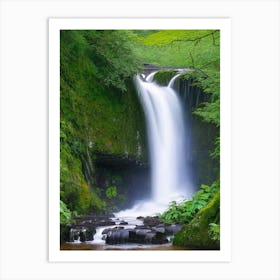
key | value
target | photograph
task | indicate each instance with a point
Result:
(139, 139)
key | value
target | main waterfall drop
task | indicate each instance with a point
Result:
(169, 144)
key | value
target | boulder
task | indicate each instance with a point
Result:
(160, 229)
(81, 233)
(106, 230)
(174, 228)
(152, 221)
(117, 236)
(65, 233)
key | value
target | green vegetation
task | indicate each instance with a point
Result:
(65, 213)
(99, 110)
(200, 51)
(162, 77)
(185, 211)
(198, 233)
(214, 231)
(100, 114)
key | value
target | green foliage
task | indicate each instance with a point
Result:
(216, 153)
(165, 37)
(180, 48)
(209, 82)
(196, 233)
(214, 231)
(111, 192)
(111, 54)
(96, 70)
(185, 211)
(65, 213)
(163, 77)
(99, 110)
(196, 49)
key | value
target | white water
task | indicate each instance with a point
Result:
(167, 135)
(172, 81)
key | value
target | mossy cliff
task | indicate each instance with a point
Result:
(197, 234)
(100, 117)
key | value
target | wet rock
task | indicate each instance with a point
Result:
(123, 223)
(105, 223)
(81, 233)
(142, 227)
(152, 221)
(149, 237)
(74, 234)
(159, 238)
(140, 218)
(90, 232)
(106, 230)
(160, 229)
(94, 221)
(65, 233)
(140, 236)
(119, 236)
(174, 228)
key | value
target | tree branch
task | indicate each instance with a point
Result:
(195, 39)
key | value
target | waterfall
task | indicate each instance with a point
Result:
(171, 83)
(168, 146)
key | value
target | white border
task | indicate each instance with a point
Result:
(55, 255)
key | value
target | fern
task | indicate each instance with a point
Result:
(185, 211)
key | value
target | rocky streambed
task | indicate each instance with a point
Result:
(104, 232)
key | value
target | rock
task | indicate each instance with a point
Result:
(117, 236)
(90, 231)
(149, 237)
(123, 223)
(65, 233)
(174, 228)
(74, 234)
(142, 227)
(159, 238)
(82, 233)
(140, 236)
(106, 230)
(105, 223)
(140, 218)
(159, 229)
(95, 221)
(152, 221)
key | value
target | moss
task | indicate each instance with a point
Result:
(163, 77)
(196, 233)
(96, 117)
